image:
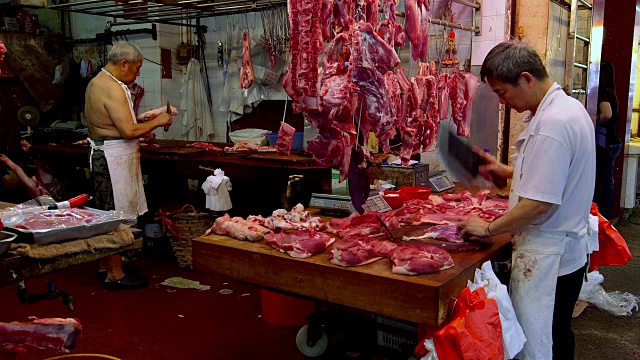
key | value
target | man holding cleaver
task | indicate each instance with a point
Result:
(552, 186)
(114, 131)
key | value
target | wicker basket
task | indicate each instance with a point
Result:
(192, 224)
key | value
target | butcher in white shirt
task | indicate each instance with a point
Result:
(553, 177)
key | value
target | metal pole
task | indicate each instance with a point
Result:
(76, 3)
(583, 2)
(471, 4)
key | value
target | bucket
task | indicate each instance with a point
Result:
(296, 143)
(284, 310)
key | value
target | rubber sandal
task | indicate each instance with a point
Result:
(126, 283)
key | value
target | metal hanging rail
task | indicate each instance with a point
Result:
(165, 11)
(446, 23)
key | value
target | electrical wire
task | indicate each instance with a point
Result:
(83, 355)
(151, 61)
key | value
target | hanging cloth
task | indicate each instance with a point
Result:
(197, 122)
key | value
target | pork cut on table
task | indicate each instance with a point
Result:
(285, 138)
(53, 219)
(247, 75)
(296, 219)
(47, 333)
(419, 259)
(337, 225)
(359, 250)
(301, 243)
(447, 232)
(238, 228)
(204, 145)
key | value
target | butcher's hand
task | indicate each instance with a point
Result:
(151, 114)
(163, 120)
(473, 226)
(492, 167)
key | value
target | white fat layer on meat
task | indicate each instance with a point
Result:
(428, 235)
(401, 270)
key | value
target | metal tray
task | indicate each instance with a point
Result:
(6, 238)
(45, 237)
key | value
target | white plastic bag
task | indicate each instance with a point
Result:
(616, 302)
(57, 76)
(429, 345)
(512, 334)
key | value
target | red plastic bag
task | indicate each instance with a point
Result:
(474, 333)
(613, 248)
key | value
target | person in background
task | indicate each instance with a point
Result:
(553, 177)
(115, 150)
(608, 143)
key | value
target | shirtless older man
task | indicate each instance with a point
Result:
(115, 150)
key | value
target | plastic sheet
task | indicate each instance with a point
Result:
(617, 303)
(51, 226)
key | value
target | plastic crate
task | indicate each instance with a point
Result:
(405, 337)
(296, 144)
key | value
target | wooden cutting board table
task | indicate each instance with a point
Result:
(422, 299)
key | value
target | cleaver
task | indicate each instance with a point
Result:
(461, 160)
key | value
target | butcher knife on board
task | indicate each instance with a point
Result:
(461, 161)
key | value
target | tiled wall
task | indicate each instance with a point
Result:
(157, 91)
(493, 30)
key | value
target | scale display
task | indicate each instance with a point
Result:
(336, 204)
(440, 182)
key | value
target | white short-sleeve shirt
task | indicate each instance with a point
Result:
(558, 167)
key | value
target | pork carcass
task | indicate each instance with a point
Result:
(448, 233)
(48, 333)
(359, 250)
(285, 138)
(301, 243)
(419, 259)
(247, 75)
(238, 228)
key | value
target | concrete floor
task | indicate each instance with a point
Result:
(600, 335)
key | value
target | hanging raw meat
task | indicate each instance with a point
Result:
(443, 96)
(462, 89)
(359, 178)
(326, 13)
(285, 138)
(247, 76)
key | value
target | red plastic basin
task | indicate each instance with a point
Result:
(395, 199)
(416, 192)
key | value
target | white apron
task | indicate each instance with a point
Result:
(535, 267)
(123, 161)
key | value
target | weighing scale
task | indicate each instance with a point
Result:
(339, 203)
(440, 181)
